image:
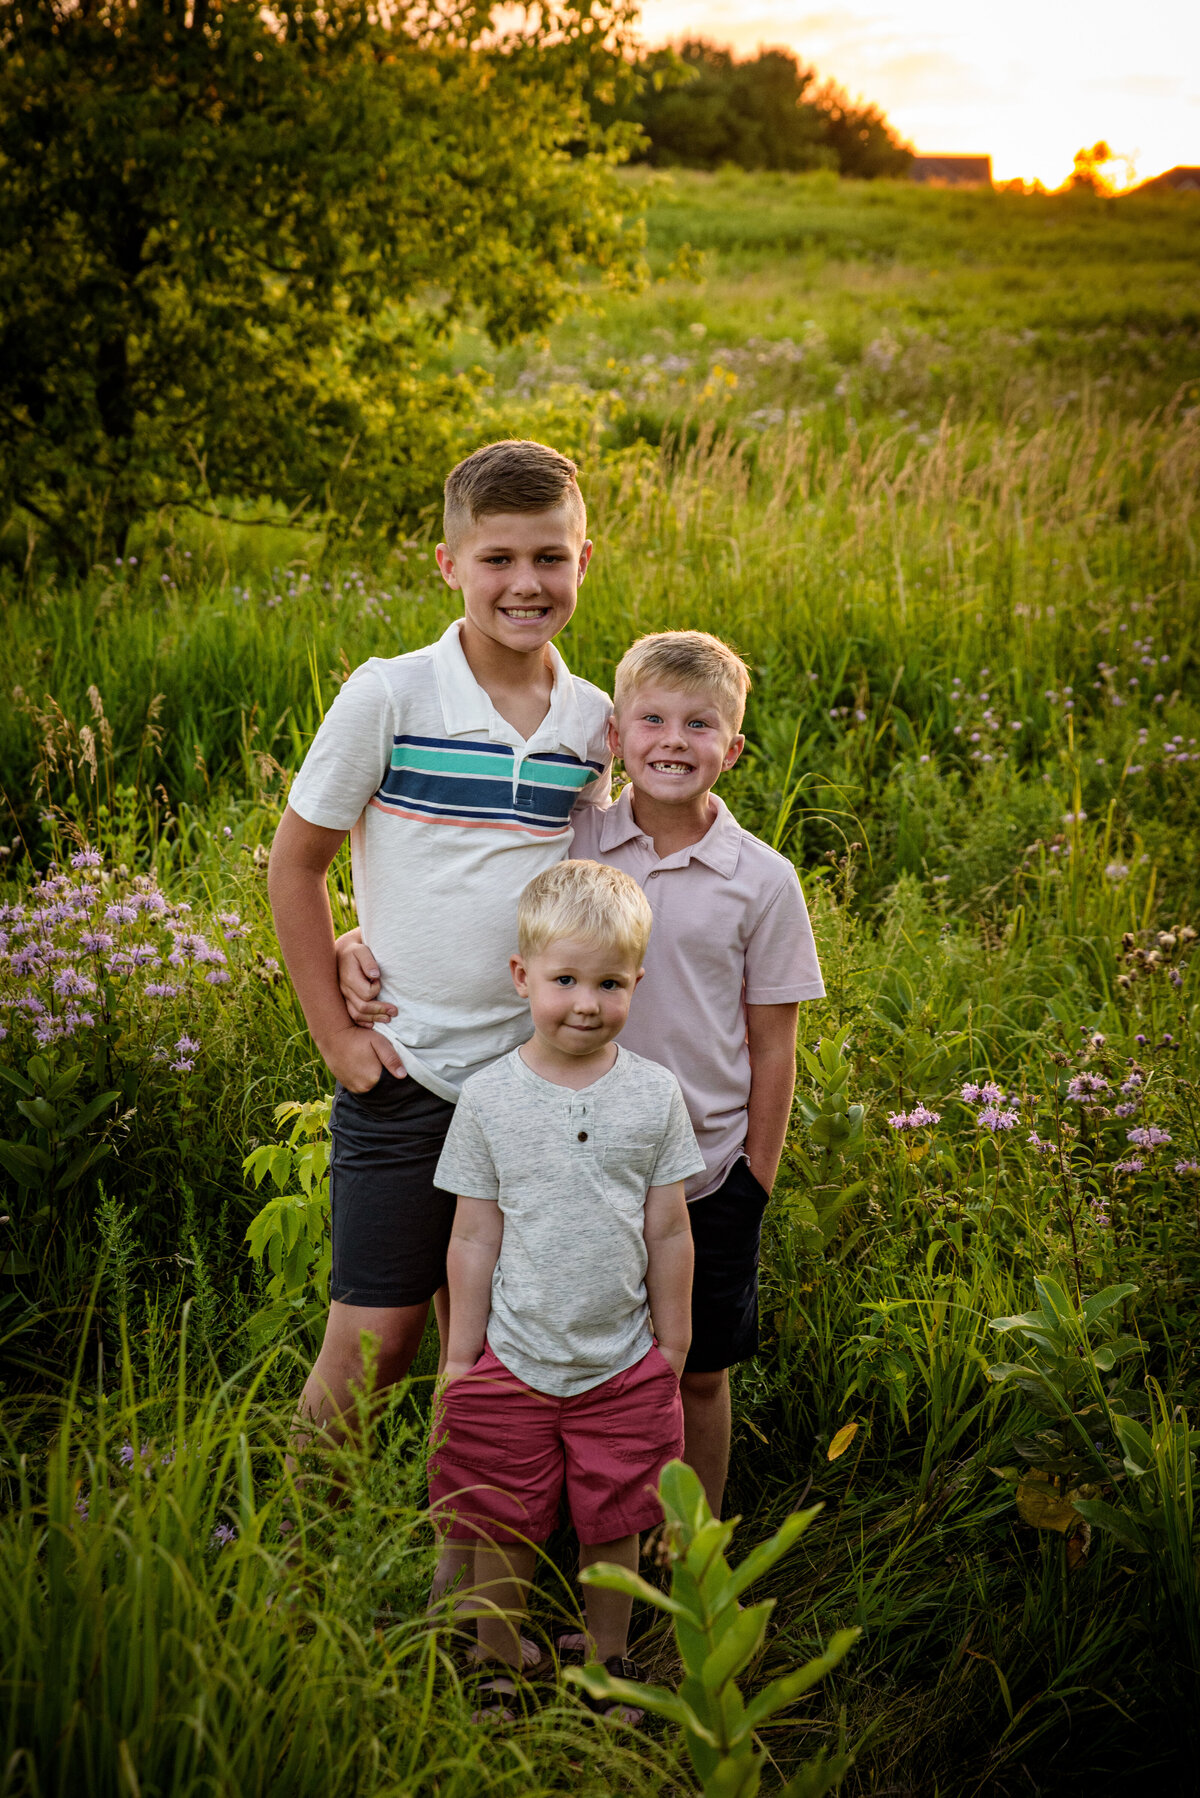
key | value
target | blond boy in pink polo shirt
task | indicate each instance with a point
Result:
(730, 961)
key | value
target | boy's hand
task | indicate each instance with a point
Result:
(675, 1357)
(355, 1058)
(358, 978)
(453, 1370)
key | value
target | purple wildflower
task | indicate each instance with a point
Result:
(898, 1120)
(94, 942)
(81, 1508)
(992, 1093)
(1187, 1167)
(1126, 1109)
(217, 978)
(121, 913)
(1149, 1136)
(161, 989)
(1133, 1164)
(87, 858)
(187, 1045)
(1085, 1089)
(992, 1118)
(68, 983)
(223, 1535)
(921, 1115)
(126, 1455)
(969, 1093)
(1132, 1084)
(1100, 1217)
(182, 1066)
(1036, 1142)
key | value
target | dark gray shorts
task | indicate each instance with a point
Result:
(391, 1224)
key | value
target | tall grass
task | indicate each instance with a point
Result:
(951, 520)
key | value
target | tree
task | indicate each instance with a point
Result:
(230, 235)
(701, 106)
(860, 135)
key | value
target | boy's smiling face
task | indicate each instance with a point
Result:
(675, 745)
(519, 575)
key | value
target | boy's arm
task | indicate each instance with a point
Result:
(470, 1263)
(668, 1237)
(300, 858)
(771, 1038)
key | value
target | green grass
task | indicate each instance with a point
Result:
(929, 507)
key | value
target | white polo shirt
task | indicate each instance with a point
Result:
(730, 929)
(450, 813)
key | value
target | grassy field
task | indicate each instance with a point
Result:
(932, 462)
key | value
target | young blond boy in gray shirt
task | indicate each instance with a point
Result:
(571, 1253)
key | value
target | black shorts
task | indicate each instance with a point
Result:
(391, 1224)
(726, 1234)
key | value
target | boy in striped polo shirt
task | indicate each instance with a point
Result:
(456, 770)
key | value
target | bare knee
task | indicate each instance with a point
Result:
(704, 1388)
(356, 1338)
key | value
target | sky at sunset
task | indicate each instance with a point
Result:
(1029, 81)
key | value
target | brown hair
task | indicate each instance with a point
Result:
(693, 662)
(516, 475)
(589, 901)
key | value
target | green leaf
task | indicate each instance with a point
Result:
(664, 1703)
(760, 1560)
(26, 1164)
(622, 1579)
(1104, 1301)
(785, 1691)
(89, 1114)
(14, 1079)
(1117, 1523)
(740, 1639)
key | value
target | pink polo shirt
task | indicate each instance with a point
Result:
(730, 929)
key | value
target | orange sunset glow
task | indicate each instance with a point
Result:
(1028, 82)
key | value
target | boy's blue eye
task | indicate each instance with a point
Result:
(610, 985)
(564, 980)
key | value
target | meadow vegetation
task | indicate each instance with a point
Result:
(932, 462)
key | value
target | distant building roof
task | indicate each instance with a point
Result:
(952, 171)
(1182, 178)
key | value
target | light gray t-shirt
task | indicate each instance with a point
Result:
(570, 1172)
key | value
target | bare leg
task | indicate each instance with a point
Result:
(707, 1426)
(326, 1406)
(608, 1613)
(455, 1558)
(500, 1586)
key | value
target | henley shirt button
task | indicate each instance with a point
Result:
(583, 1136)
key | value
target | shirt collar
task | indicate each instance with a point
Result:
(466, 707)
(718, 848)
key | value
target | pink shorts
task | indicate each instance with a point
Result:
(501, 1453)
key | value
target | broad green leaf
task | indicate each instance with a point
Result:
(623, 1579)
(785, 1691)
(760, 1560)
(1118, 1523)
(599, 1684)
(739, 1641)
(89, 1114)
(1104, 1301)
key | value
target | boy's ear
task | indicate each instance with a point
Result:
(732, 753)
(445, 561)
(585, 556)
(640, 972)
(612, 736)
(520, 979)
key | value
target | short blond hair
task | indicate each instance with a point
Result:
(589, 901)
(515, 475)
(693, 662)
